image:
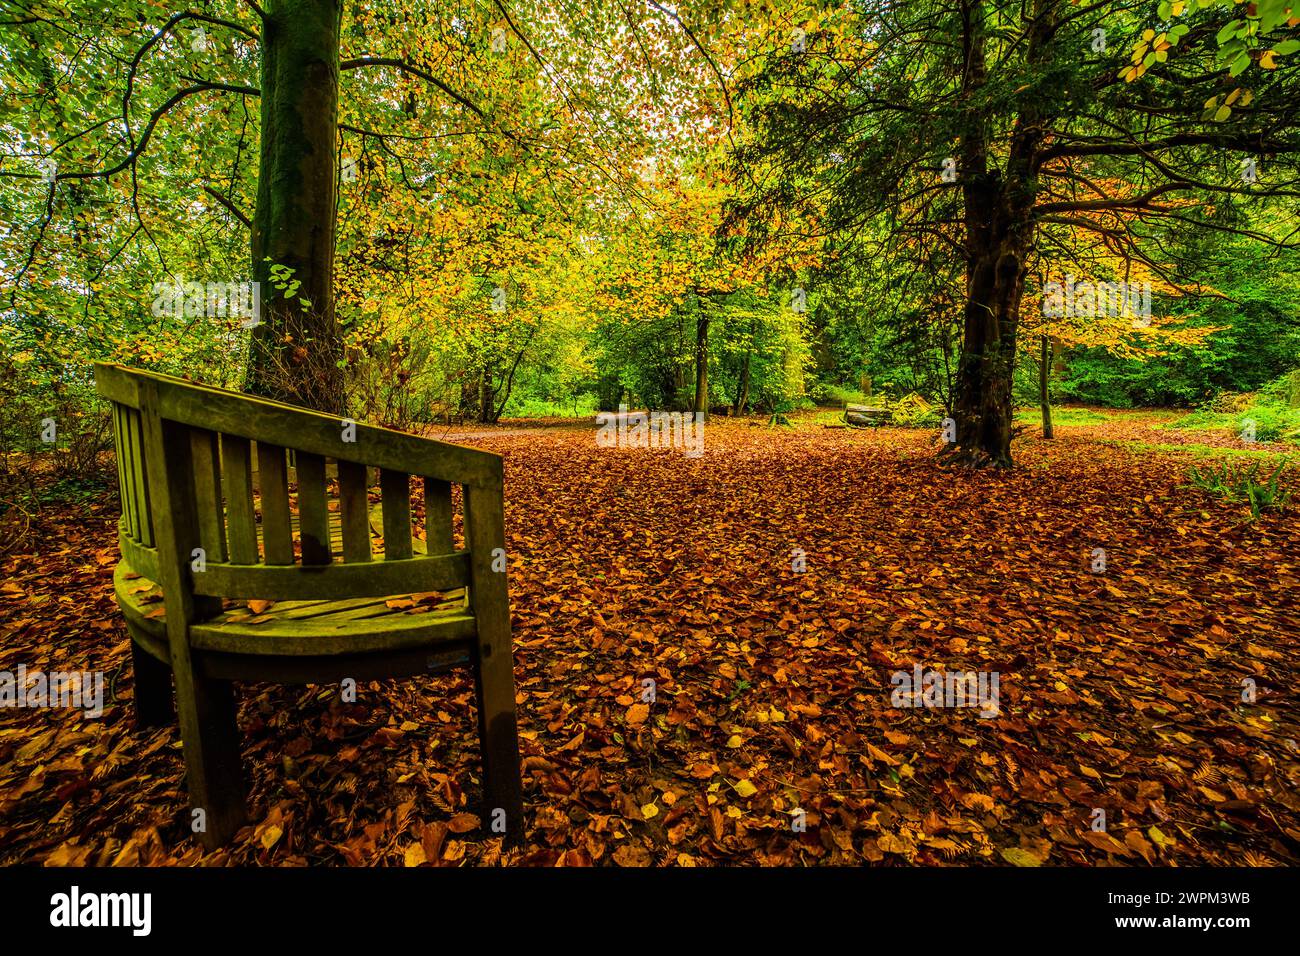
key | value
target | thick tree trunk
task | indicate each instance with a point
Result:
(1000, 227)
(983, 405)
(702, 365)
(1044, 373)
(296, 351)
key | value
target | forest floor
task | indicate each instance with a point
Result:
(1125, 691)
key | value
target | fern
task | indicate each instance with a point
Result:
(1243, 484)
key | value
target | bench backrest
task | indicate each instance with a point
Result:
(185, 457)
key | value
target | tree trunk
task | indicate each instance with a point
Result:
(487, 397)
(609, 392)
(1000, 226)
(469, 397)
(983, 404)
(702, 365)
(742, 400)
(296, 351)
(1043, 374)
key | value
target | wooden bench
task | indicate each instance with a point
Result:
(185, 458)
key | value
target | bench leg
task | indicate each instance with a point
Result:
(153, 689)
(498, 734)
(213, 772)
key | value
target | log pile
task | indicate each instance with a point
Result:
(865, 416)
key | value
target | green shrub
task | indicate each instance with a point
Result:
(1274, 410)
(1203, 419)
(1236, 483)
(823, 394)
(1272, 422)
(1285, 389)
(915, 415)
(582, 406)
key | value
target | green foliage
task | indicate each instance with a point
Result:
(1062, 416)
(822, 394)
(525, 406)
(909, 415)
(78, 489)
(1257, 337)
(1095, 376)
(1242, 484)
(1271, 422)
(1284, 390)
(1273, 412)
(31, 396)
(1245, 35)
(284, 282)
(893, 320)
(1026, 389)
(652, 363)
(427, 230)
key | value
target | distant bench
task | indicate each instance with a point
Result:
(185, 456)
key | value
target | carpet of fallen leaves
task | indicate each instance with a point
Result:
(1120, 691)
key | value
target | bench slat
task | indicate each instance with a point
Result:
(349, 607)
(140, 479)
(273, 481)
(395, 486)
(361, 609)
(123, 486)
(331, 582)
(313, 511)
(354, 512)
(437, 516)
(241, 522)
(294, 639)
(233, 413)
(206, 456)
(131, 449)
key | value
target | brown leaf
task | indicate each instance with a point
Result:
(631, 855)
(463, 823)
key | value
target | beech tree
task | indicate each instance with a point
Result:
(296, 352)
(977, 124)
(102, 89)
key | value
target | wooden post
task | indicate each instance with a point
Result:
(206, 706)
(153, 687)
(494, 661)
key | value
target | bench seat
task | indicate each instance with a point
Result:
(303, 628)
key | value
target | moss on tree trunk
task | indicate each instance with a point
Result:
(296, 351)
